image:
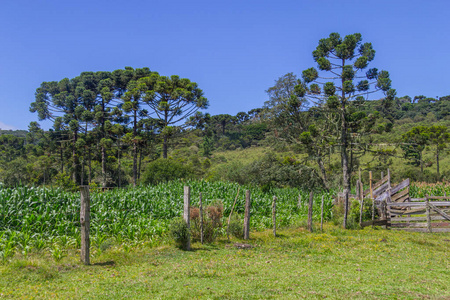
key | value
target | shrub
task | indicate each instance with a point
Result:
(212, 222)
(179, 232)
(353, 214)
(236, 227)
(163, 170)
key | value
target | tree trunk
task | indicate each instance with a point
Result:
(103, 150)
(344, 154)
(135, 149)
(324, 173)
(75, 163)
(421, 163)
(90, 166)
(165, 147)
(118, 158)
(62, 159)
(140, 162)
(437, 163)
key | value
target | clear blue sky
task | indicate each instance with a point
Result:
(234, 50)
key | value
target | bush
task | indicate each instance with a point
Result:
(163, 170)
(353, 214)
(236, 228)
(212, 222)
(179, 232)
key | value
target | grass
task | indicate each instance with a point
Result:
(336, 264)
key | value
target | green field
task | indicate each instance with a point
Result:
(335, 264)
(133, 256)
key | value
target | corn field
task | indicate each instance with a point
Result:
(35, 218)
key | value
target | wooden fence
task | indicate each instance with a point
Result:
(399, 211)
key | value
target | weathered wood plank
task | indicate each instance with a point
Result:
(379, 183)
(439, 197)
(400, 186)
(399, 195)
(375, 223)
(380, 190)
(419, 204)
(407, 212)
(443, 214)
(418, 199)
(409, 219)
(423, 229)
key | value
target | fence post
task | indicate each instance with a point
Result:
(321, 214)
(371, 197)
(201, 218)
(427, 203)
(247, 215)
(299, 203)
(186, 215)
(274, 215)
(85, 218)
(310, 211)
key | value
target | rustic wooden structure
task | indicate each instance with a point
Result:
(274, 215)
(399, 211)
(310, 211)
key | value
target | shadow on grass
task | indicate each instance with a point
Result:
(109, 263)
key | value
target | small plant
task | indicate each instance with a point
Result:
(57, 253)
(236, 227)
(212, 222)
(179, 232)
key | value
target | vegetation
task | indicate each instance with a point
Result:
(336, 264)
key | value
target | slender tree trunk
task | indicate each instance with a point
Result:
(118, 158)
(421, 163)
(135, 149)
(165, 146)
(75, 163)
(437, 163)
(140, 162)
(324, 173)
(103, 150)
(90, 166)
(344, 153)
(62, 159)
(166, 138)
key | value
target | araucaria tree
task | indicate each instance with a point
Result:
(339, 86)
(172, 99)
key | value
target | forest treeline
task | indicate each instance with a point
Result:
(134, 126)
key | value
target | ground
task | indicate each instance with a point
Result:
(334, 264)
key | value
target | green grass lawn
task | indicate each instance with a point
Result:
(336, 264)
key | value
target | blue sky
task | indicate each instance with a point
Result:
(234, 50)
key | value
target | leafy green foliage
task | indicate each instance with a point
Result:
(163, 170)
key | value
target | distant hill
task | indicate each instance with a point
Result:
(17, 133)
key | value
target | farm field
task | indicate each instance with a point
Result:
(335, 264)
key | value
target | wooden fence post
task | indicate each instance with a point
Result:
(299, 203)
(357, 190)
(274, 215)
(310, 211)
(85, 218)
(247, 215)
(186, 215)
(361, 202)
(371, 197)
(229, 217)
(201, 217)
(427, 203)
(321, 214)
